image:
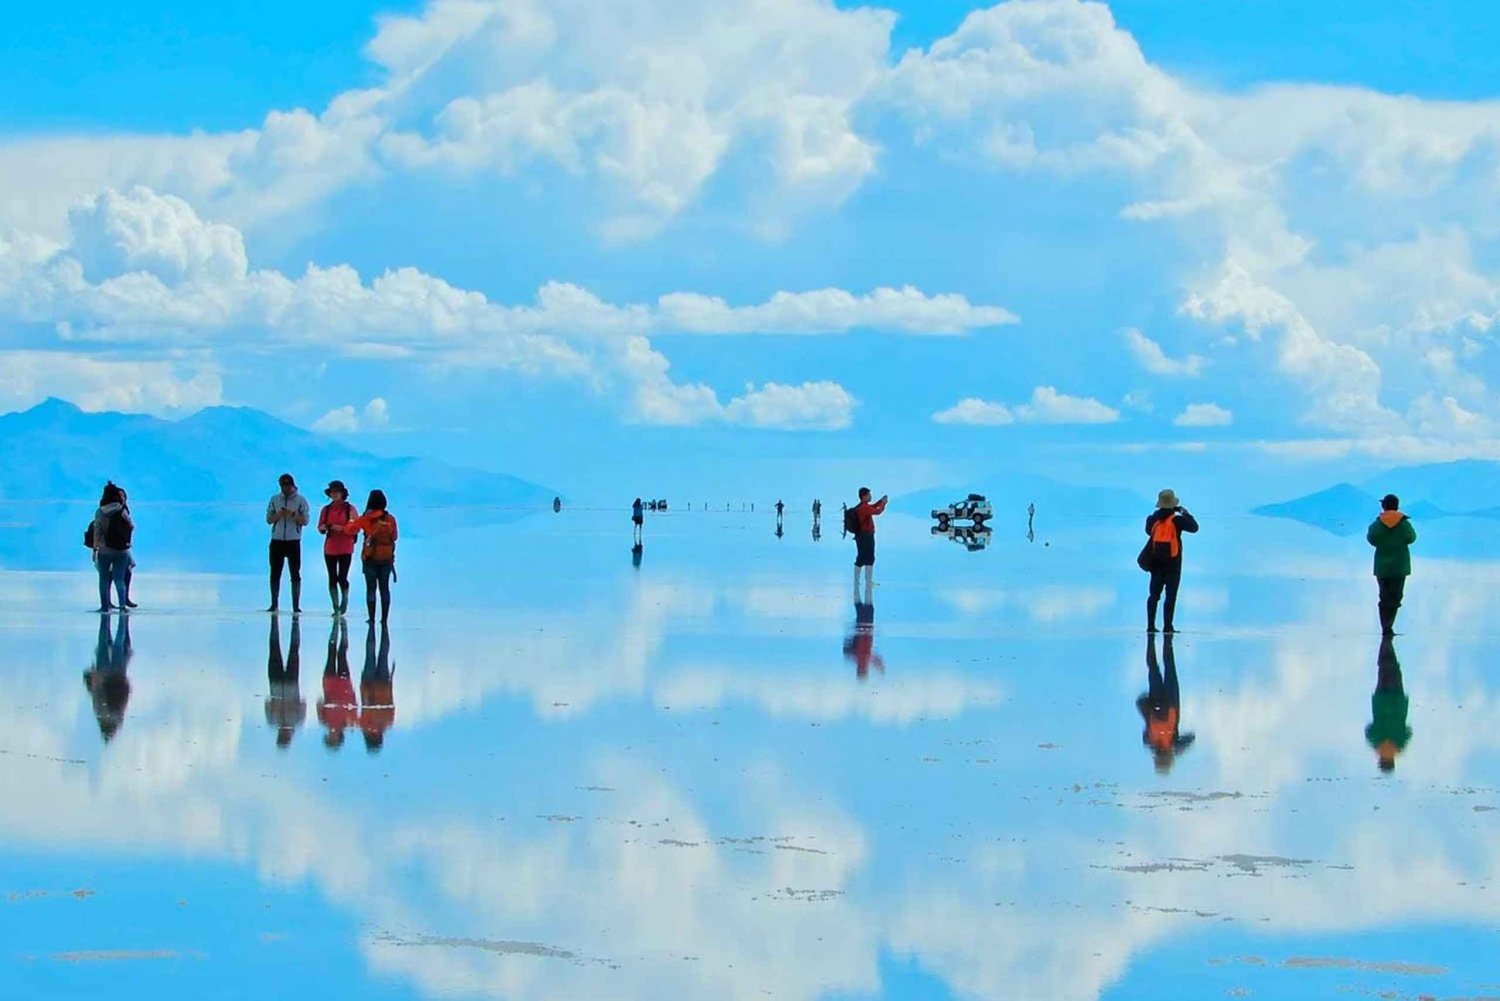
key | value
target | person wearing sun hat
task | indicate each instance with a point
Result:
(1163, 556)
(338, 545)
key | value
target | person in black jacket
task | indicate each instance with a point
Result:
(1164, 528)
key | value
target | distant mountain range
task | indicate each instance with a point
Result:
(55, 458)
(1468, 488)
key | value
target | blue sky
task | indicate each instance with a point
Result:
(1061, 233)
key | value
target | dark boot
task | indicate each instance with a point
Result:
(1387, 620)
(1151, 615)
(296, 597)
(333, 598)
(343, 598)
(370, 612)
(275, 593)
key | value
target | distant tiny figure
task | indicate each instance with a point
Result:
(377, 691)
(780, 530)
(377, 556)
(106, 681)
(1388, 733)
(844, 520)
(636, 552)
(817, 531)
(1392, 534)
(338, 545)
(1161, 708)
(861, 521)
(285, 708)
(817, 509)
(637, 519)
(1162, 556)
(859, 647)
(338, 709)
(1030, 522)
(110, 538)
(287, 513)
(780, 509)
(556, 505)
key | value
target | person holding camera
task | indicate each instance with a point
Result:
(1164, 528)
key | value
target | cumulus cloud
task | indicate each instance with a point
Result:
(906, 310)
(1203, 415)
(98, 384)
(1150, 356)
(347, 419)
(1046, 406)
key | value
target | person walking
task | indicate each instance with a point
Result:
(637, 519)
(863, 522)
(111, 538)
(1392, 534)
(287, 513)
(377, 556)
(1163, 556)
(338, 545)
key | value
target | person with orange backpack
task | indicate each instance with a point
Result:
(378, 555)
(1163, 555)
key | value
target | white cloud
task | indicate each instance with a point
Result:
(972, 410)
(907, 310)
(823, 406)
(1203, 415)
(97, 384)
(1150, 356)
(347, 420)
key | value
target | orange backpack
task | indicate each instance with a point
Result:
(380, 541)
(1166, 540)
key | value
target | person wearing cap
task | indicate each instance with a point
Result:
(1392, 534)
(287, 513)
(338, 545)
(1164, 528)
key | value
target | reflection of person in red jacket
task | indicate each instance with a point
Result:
(860, 645)
(338, 708)
(377, 695)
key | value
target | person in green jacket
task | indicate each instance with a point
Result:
(1388, 733)
(1392, 535)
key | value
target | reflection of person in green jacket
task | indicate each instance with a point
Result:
(1388, 732)
(1392, 535)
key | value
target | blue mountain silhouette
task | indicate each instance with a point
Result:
(1428, 492)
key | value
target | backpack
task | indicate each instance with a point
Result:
(117, 532)
(851, 520)
(1165, 543)
(380, 541)
(88, 536)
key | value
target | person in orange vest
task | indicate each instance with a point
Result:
(378, 554)
(1161, 708)
(1164, 527)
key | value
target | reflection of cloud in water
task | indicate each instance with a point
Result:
(919, 693)
(1047, 603)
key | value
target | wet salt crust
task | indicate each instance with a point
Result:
(714, 776)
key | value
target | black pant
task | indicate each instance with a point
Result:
(1392, 590)
(864, 549)
(1164, 577)
(338, 570)
(378, 578)
(289, 552)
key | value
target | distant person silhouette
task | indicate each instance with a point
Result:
(377, 693)
(556, 505)
(1161, 708)
(780, 509)
(285, 708)
(1030, 522)
(377, 556)
(817, 531)
(780, 530)
(1391, 534)
(287, 513)
(637, 520)
(1388, 733)
(338, 545)
(1163, 556)
(338, 709)
(859, 646)
(863, 524)
(106, 680)
(110, 536)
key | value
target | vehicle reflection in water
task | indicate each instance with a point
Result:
(972, 537)
(1160, 707)
(859, 646)
(285, 708)
(338, 709)
(377, 693)
(1388, 733)
(106, 681)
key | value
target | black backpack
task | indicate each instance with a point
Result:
(117, 532)
(851, 520)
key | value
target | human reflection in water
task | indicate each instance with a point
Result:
(859, 647)
(1161, 708)
(377, 695)
(1388, 733)
(338, 708)
(636, 552)
(285, 709)
(106, 681)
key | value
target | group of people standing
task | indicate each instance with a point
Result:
(288, 513)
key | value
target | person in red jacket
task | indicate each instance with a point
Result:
(863, 516)
(338, 545)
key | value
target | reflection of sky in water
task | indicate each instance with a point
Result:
(672, 781)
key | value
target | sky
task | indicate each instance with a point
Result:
(1239, 244)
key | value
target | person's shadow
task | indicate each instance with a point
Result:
(1161, 708)
(285, 709)
(377, 693)
(1388, 733)
(106, 680)
(859, 645)
(338, 708)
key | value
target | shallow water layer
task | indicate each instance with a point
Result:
(716, 774)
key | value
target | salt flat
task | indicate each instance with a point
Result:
(703, 777)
